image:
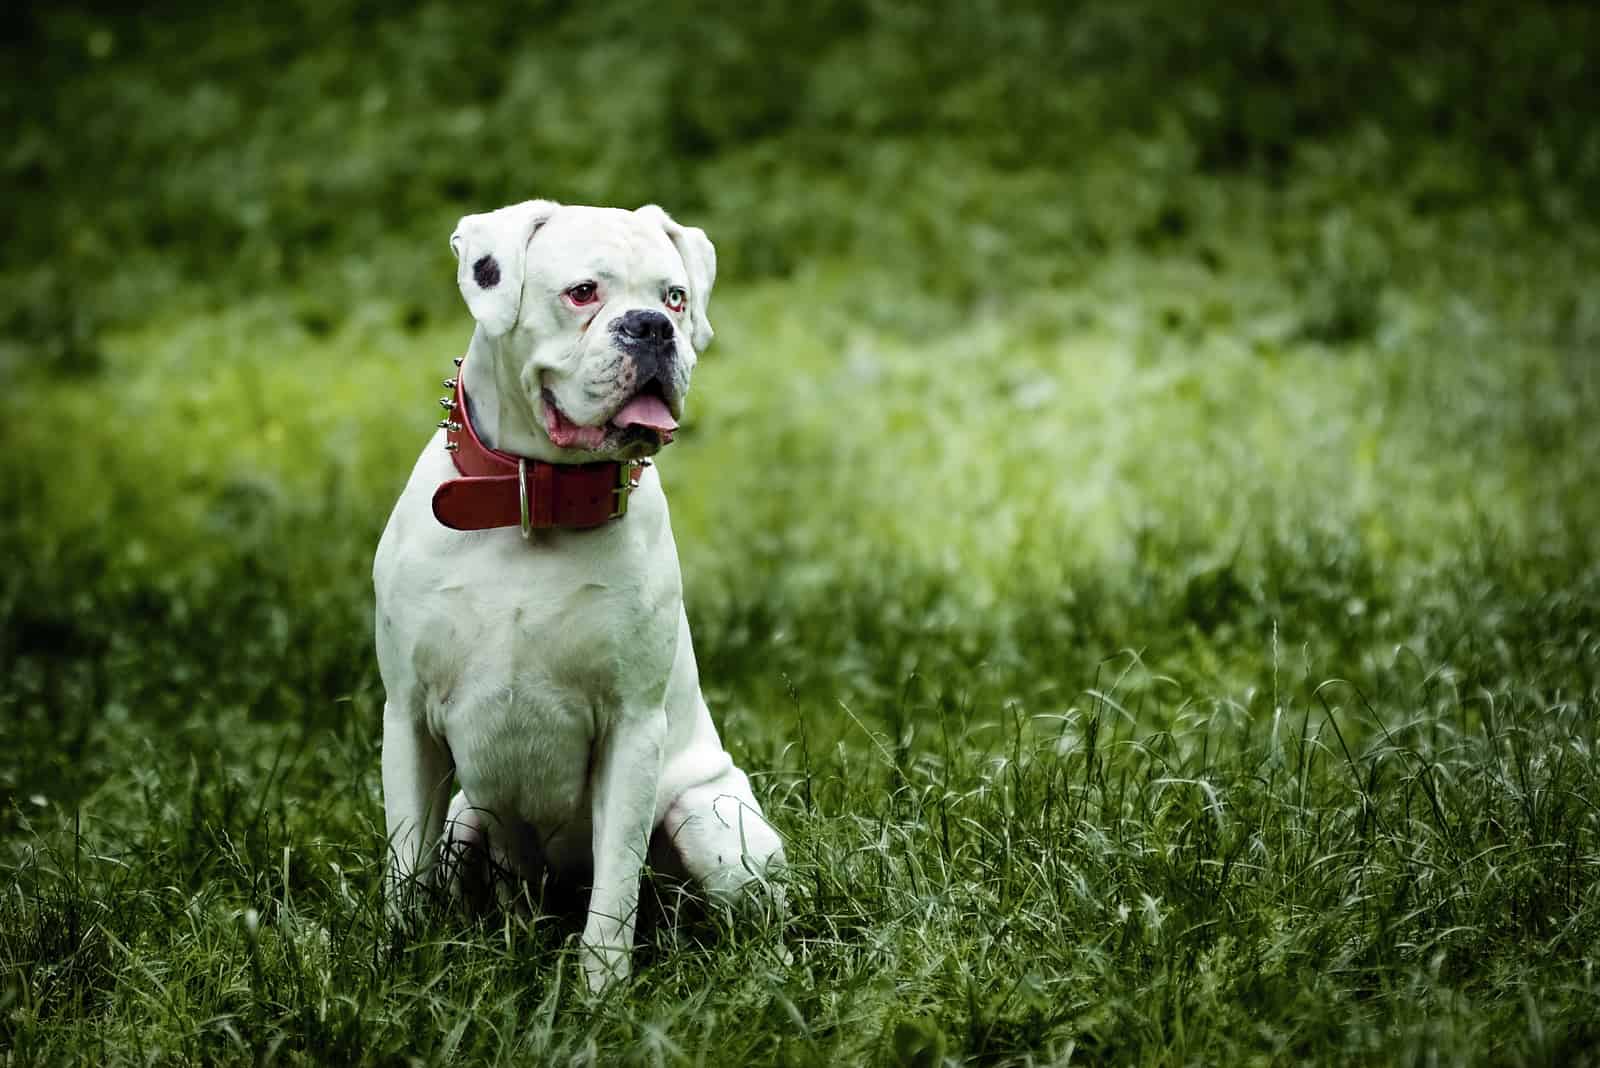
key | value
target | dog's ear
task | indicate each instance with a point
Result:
(700, 259)
(491, 252)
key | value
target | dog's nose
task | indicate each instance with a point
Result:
(643, 325)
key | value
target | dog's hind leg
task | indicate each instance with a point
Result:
(467, 861)
(717, 833)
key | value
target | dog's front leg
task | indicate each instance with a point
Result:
(623, 782)
(416, 791)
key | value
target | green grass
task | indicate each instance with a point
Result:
(1139, 531)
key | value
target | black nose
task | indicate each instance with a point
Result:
(643, 325)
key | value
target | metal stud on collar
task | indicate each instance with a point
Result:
(448, 424)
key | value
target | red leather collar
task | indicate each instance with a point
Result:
(500, 489)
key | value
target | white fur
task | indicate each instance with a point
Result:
(554, 678)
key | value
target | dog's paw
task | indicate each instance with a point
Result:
(603, 966)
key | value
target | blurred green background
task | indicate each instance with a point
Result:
(1219, 352)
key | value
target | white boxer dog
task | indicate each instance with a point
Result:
(530, 623)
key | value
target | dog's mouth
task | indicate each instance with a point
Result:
(644, 419)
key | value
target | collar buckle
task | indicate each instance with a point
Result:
(522, 497)
(628, 474)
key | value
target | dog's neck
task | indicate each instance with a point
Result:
(503, 412)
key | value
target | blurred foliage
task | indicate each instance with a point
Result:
(207, 153)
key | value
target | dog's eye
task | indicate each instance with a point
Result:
(583, 293)
(676, 297)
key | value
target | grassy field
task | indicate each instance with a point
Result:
(1139, 523)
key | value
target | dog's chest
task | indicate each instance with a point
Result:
(544, 632)
(524, 658)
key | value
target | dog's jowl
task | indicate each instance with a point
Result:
(543, 713)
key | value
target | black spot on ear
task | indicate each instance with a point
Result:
(486, 272)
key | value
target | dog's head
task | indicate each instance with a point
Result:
(598, 315)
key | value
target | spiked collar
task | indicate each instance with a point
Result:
(501, 489)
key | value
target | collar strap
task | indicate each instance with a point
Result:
(501, 489)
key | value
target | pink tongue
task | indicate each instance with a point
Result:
(646, 410)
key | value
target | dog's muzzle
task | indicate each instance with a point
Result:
(650, 342)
